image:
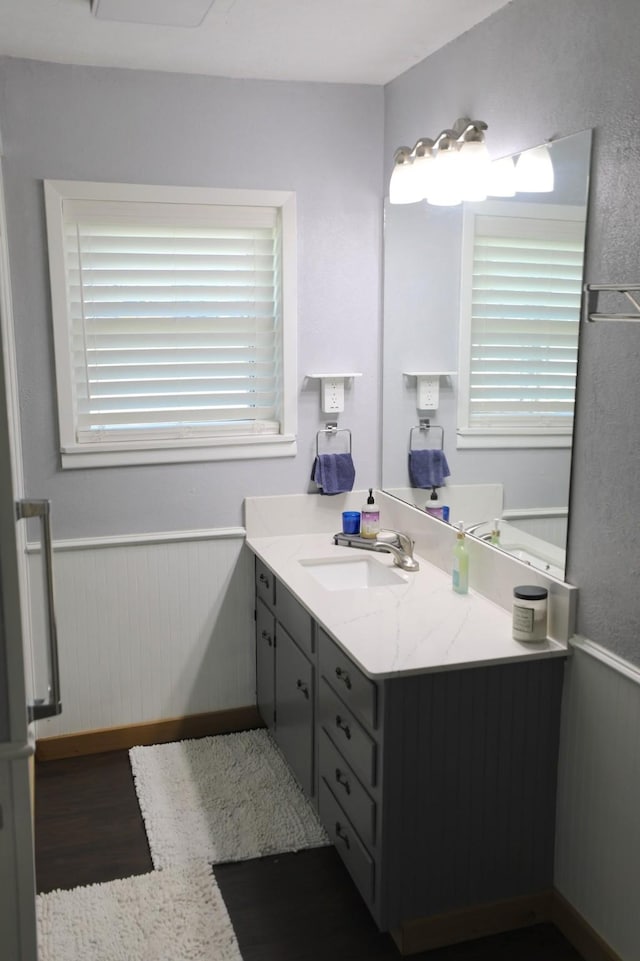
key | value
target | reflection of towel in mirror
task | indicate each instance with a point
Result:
(428, 468)
(333, 473)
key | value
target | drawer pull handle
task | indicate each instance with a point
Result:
(267, 637)
(264, 580)
(343, 837)
(344, 727)
(344, 677)
(343, 781)
(303, 687)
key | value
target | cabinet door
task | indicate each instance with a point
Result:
(294, 709)
(265, 663)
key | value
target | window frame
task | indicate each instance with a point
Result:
(492, 437)
(133, 451)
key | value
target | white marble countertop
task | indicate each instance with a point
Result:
(415, 626)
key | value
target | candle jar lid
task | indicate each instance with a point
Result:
(530, 592)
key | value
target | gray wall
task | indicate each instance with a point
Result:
(322, 140)
(541, 68)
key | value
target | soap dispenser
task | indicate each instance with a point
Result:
(370, 518)
(434, 506)
(460, 573)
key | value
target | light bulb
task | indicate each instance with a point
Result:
(534, 171)
(423, 171)
(474, 164)
(444, 189)
(404, 186)
(502, 178)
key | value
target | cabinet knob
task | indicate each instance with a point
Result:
(343, 781)
(267, 637)
(344, 727)
(303, 687)
(343, 837)
(344, 677)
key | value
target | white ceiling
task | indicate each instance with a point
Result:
(339, 41)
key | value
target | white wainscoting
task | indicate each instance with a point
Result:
(598, 824)
(151, 627)
(549, 525)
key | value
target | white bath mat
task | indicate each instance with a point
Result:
(225, 798)
(173, 915)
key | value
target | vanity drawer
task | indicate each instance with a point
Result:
(356, 690)
(348, 735)
(265, 663)
(356, 803)
(293, 617)
(265, 584)
(357, 859)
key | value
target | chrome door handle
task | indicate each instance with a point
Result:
(49, 708)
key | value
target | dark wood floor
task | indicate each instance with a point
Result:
(293, 907)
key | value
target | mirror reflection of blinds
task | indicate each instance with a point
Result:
(175, 320)
(527, 282)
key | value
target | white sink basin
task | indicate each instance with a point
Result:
(352, 573)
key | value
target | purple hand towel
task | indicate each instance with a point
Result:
(333, 473)
(428, 468)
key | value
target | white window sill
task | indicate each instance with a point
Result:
(496, 440)
(122, 455)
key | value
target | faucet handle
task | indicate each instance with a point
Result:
(406, 542)
(399, 538)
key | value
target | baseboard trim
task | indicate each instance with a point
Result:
(579, 933)
(467, 924)
(149, 732)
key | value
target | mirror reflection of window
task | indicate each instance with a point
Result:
(521, 284)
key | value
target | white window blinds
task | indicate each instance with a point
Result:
(175, 319)
(522, 322)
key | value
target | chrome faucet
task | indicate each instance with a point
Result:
(397, 543)
(472, 528)
(476, 527)
(401, 548)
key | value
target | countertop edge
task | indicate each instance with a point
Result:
(529, 652)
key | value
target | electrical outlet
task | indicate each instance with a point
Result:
(332, 395)
(428, 393)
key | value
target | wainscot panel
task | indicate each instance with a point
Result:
(597, 868)
(150, 627)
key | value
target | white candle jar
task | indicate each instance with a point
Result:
(529, 613)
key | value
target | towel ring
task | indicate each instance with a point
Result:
(425, 425)
(332, 429)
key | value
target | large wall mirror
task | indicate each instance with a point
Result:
(518, 475)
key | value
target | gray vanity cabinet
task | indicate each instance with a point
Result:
(437, 789)
(285, 674)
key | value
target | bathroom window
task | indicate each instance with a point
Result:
(520, 313)
(174, 315)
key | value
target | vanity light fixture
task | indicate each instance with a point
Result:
(534, 171)
(456, 166)
(453, 167)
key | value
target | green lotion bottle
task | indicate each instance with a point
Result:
(460, 574)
